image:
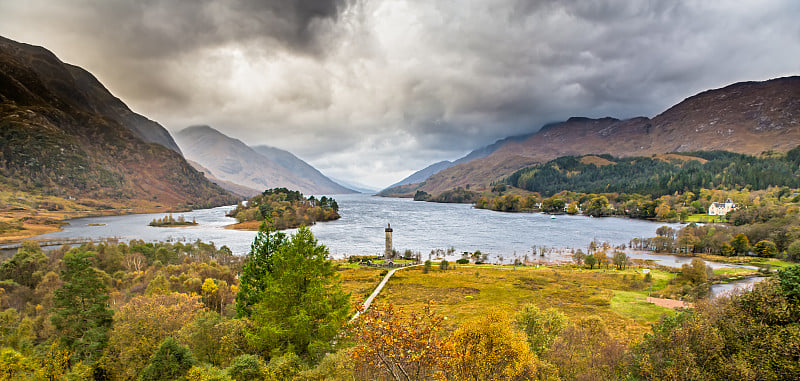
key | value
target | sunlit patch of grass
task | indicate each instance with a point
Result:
(772, 263)
(705, 218)
(467, 292)
(633, 305)
(727, 272)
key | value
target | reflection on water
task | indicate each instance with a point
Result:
(418, 226)
(724, 288)
(677, 261)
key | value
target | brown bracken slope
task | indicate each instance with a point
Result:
(62, 133)
(747, 117)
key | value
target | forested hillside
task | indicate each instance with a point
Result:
(662, 175)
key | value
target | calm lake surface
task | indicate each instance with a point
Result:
(418, 226)
(726, 288)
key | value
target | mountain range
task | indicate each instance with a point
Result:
(435, 168)
(745, 117)
(249, 170)
(64, 134)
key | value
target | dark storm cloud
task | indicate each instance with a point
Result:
(622, 59)
(155, 28)
(372, 90)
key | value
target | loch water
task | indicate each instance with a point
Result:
(418, 226)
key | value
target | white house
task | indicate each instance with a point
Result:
(720, 208)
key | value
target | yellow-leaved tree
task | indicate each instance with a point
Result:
(404, 347)
(141, 325)
(489, 348)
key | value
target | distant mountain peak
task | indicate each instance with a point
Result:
(260, 167)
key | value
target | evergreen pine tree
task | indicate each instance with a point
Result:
(81, 313)
(299, 306)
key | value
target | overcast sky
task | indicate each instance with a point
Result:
(370, 91)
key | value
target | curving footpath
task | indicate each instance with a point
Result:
(378, 289)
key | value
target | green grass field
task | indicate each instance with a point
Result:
(705, 218)
(468, 291)
(632, 305)
(734, 272)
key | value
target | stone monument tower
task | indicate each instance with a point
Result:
(388, 253)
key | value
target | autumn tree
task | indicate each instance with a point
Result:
(597, 206)
(215, 339)
(81, 314)
(572, 208)
(26, 267)
(402, 347)
(158, 286)
(211, 294)
(663, 211)
(695, 277)
(54, 364)
(585, 350)
(620, 260)
(578, 256)
(748, 335)
(541, 327)
(490, 349)
(740, 244)
(602, 258)
(298, 305)
(553, 205)
(135, 262)
(142, 324)
(13, 365)
(16, 331)
(765, 248)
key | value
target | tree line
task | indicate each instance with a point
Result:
(656, 176)
(770, 231)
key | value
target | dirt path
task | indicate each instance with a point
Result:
(669, 303)
(377, 291)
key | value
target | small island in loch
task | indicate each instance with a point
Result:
(286, 209)
(169, 221)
